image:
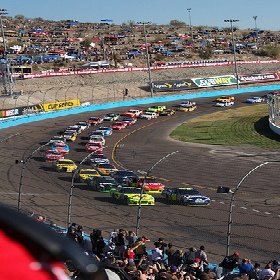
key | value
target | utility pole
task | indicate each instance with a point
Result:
(190, 21)
(148, 57)
(6, 67)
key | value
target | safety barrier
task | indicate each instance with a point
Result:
(160, 99)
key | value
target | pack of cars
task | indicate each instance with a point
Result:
(124, 186)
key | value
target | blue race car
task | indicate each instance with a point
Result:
(107, 131)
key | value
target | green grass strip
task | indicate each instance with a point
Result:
(246, 125)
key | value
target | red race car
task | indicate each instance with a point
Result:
(150, 184)
(53, 155)
(118, 125)
(95, 120)
(129, 121)
(132, 113)
(94, 147)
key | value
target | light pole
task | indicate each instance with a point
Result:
(142, 188)
(234, 49)
(24, 161)
(190, 21)
(256, 30)
(72, 186)
(233, 192)
(151, 85)
(7, 75)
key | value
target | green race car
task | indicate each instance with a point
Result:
(131, 196)
(156, 108)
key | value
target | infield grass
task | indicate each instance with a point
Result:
(246, 125)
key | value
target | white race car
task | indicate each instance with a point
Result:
(254, 99)
(148, 115)
(224, 104)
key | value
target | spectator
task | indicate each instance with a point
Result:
(229, 263)
(172, 273)
(255, 272)
(162, 244)
(120, 242)
(71, 231)
(141, 249)
(157, 254)
(131, 237)
(130, 252)
(177, 258)
(201, 254)
(189, 256)
(79, 236)
(267, 272)
(169, 252)
(245, 266)
(97, 242)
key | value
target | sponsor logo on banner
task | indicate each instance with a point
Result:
(173, 85)
(61, 105)
(215, 81)
(258, 77)
(10, 113)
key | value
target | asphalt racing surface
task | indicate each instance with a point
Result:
(256, 215)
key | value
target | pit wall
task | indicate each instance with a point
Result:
(14, 121)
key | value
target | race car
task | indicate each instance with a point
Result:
(186, 103)
(97, 139)
(83, 174)
(225, 99)
(150, 185)
(96, 133)
(132, 113)
(111, 117)
(95, 159)
(254, 99)
(167, 112)
(70, 135)
(65, 165)
(105, 168)
(187, 108)
(125, 177)
(53, 155)
(224, 104)
(129, 121)
(94, 147)
(102, 183)
(83, 125)
(95, 120)
(131, 196)
(186, 196)
(148, 115)
(75, 128)
(57, 138)
(106, 130)
(156, 108)
(118, 125)
(61, 147)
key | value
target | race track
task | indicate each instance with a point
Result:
(256, 215)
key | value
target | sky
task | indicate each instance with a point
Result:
(210, 13)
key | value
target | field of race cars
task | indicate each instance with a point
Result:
(101, 195)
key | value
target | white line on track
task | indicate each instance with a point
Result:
(35, 194)
(255, 210)
(242, 207)
(267, 213)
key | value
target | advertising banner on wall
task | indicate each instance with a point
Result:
(215, 81)
(61, 105)
(173, 85)
(256, 78)
(39, 108)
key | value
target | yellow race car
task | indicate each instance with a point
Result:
(131, 196)
(225, 99)
(187, 108)
(156, 108)
(83, 174)
(105, 168)
(65, 165)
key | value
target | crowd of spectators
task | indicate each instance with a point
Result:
(126, 256)
(37, 41)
